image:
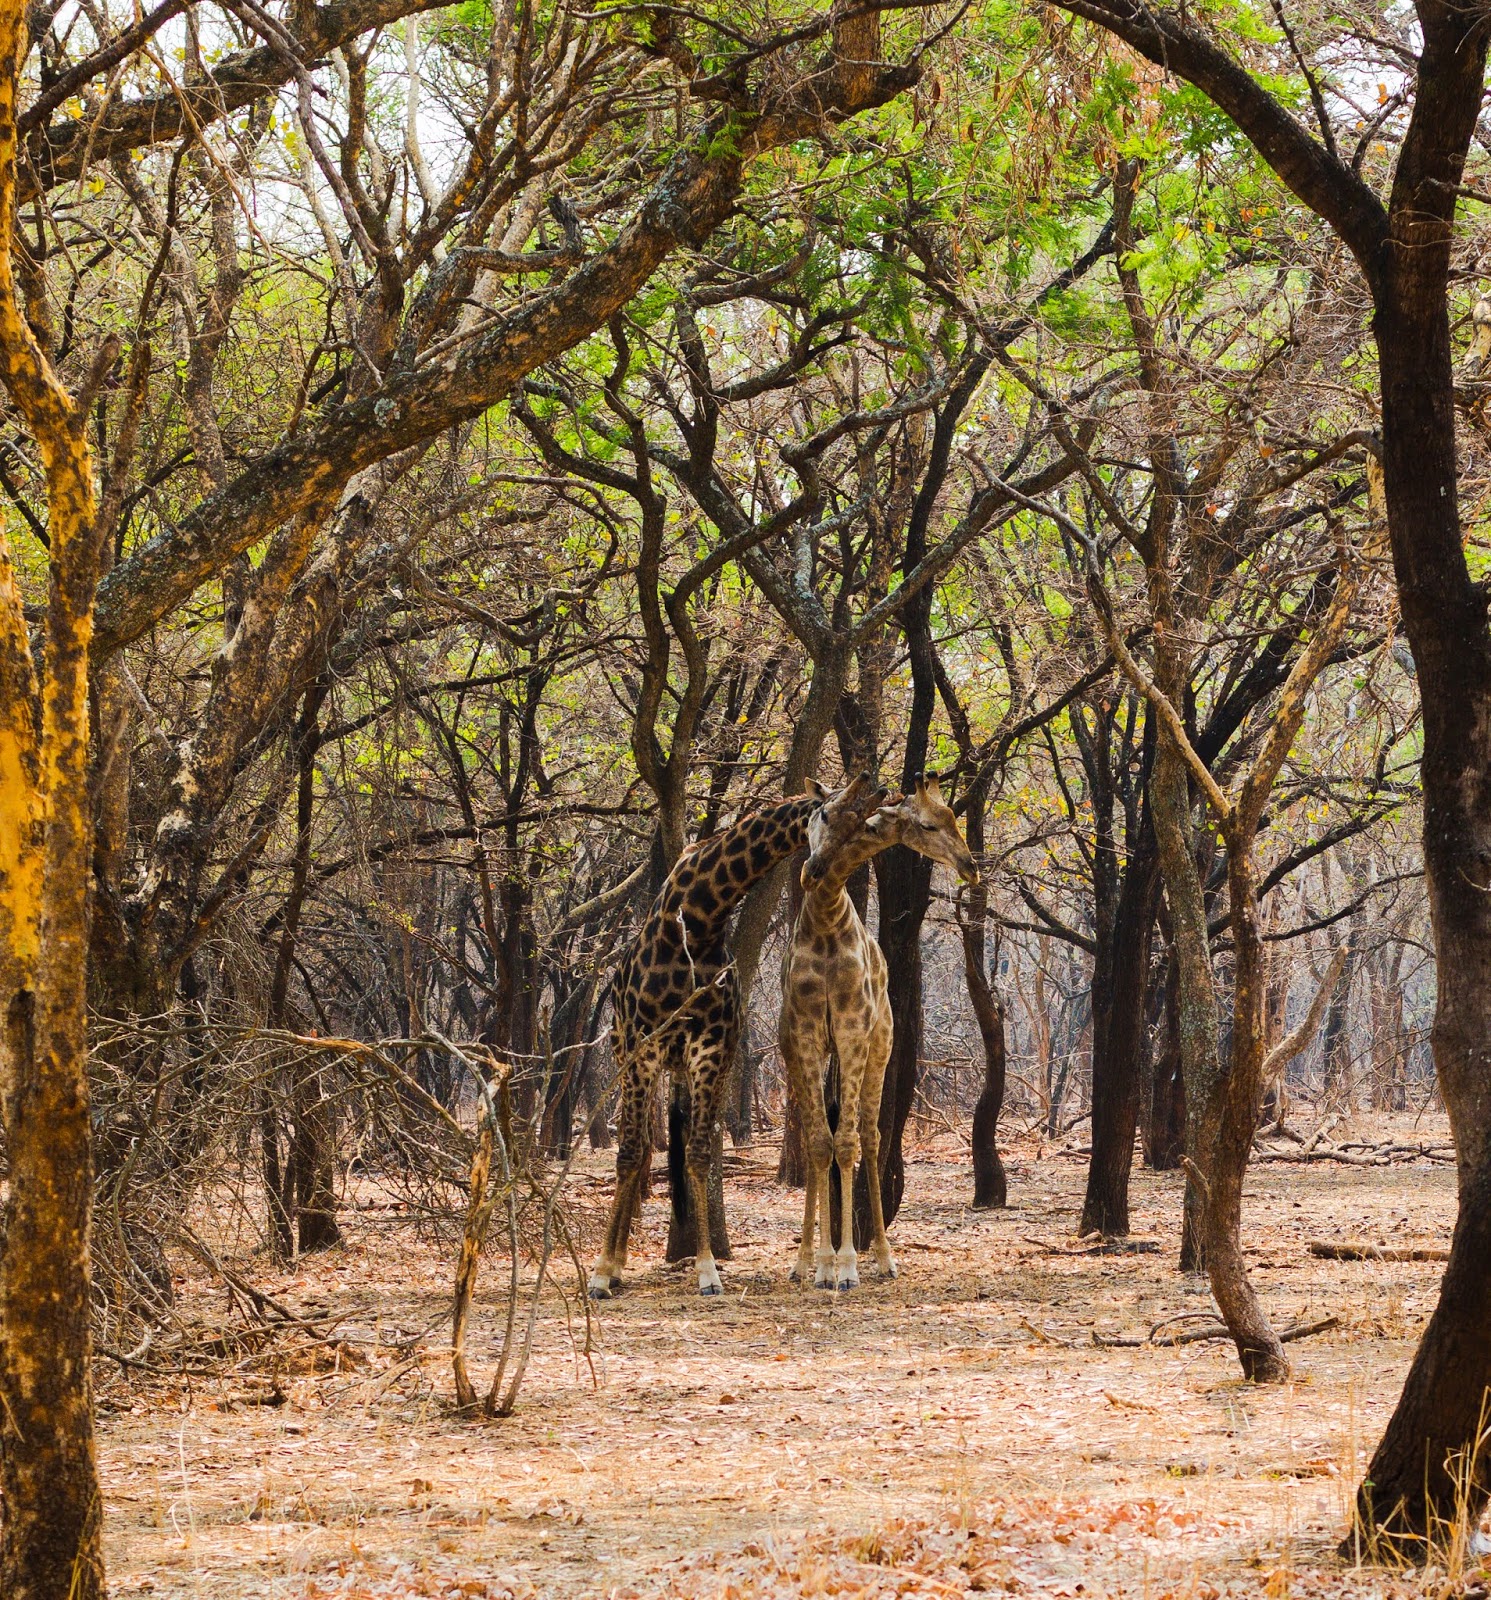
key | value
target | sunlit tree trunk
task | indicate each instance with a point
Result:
(50, 1545)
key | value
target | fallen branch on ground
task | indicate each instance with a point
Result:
(1211, 1330)
(1358, 1250)
(1096, 1247)
(1362, 1155)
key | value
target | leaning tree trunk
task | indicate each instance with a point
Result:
(1228, 1121)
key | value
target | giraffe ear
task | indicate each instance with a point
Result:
(930, 785)
(813, 787)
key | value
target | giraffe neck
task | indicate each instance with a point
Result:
(827, 903)
(714, 877)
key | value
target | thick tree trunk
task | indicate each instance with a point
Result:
(1441, 1416)
(48, 1466)
(1118, 1046)
(742, 1098)
(50, 1542)
(1195, 1030)
(792, 1163)
(905, 882)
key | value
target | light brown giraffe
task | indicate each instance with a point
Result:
(676, 1006)
(834, 997)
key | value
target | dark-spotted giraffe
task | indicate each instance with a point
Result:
(676, 1007)
(834, 992)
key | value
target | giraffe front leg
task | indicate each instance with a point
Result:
(803, 1271)
(856, 1047)
(846, 1261)
(804, 1043)
(826, 1268)
(708, 1061)
(605, 1280)
(704, 1263)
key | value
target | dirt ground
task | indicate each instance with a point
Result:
(954, 1431)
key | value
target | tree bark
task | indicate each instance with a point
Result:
(1118, 1045)
(990, 1182)
(1441, 1413)
(1167, 1109)
(1404, 251)
(905, 882)
(50, 1542)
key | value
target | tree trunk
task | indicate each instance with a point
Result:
(48, 1466)
(1225, 1132)
(990, 1183)
(905, 882)
(313, 1161)
(1335, 1037)
(792, 1163)
(1167, 1107)
(50, 1543)
(1118, 1046)
(1441, 1414)
(306, 1188)
(742, 1096)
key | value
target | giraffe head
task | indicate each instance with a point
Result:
(839, 818)
(923, 821)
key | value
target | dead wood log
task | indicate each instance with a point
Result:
(1358, 1250)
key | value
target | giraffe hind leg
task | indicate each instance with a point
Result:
(633, 1154)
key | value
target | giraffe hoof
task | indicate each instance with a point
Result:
(602, 1287)
(711, 1288)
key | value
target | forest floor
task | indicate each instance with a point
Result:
(954, 1431)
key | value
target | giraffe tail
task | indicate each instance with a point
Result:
(678, 1178)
